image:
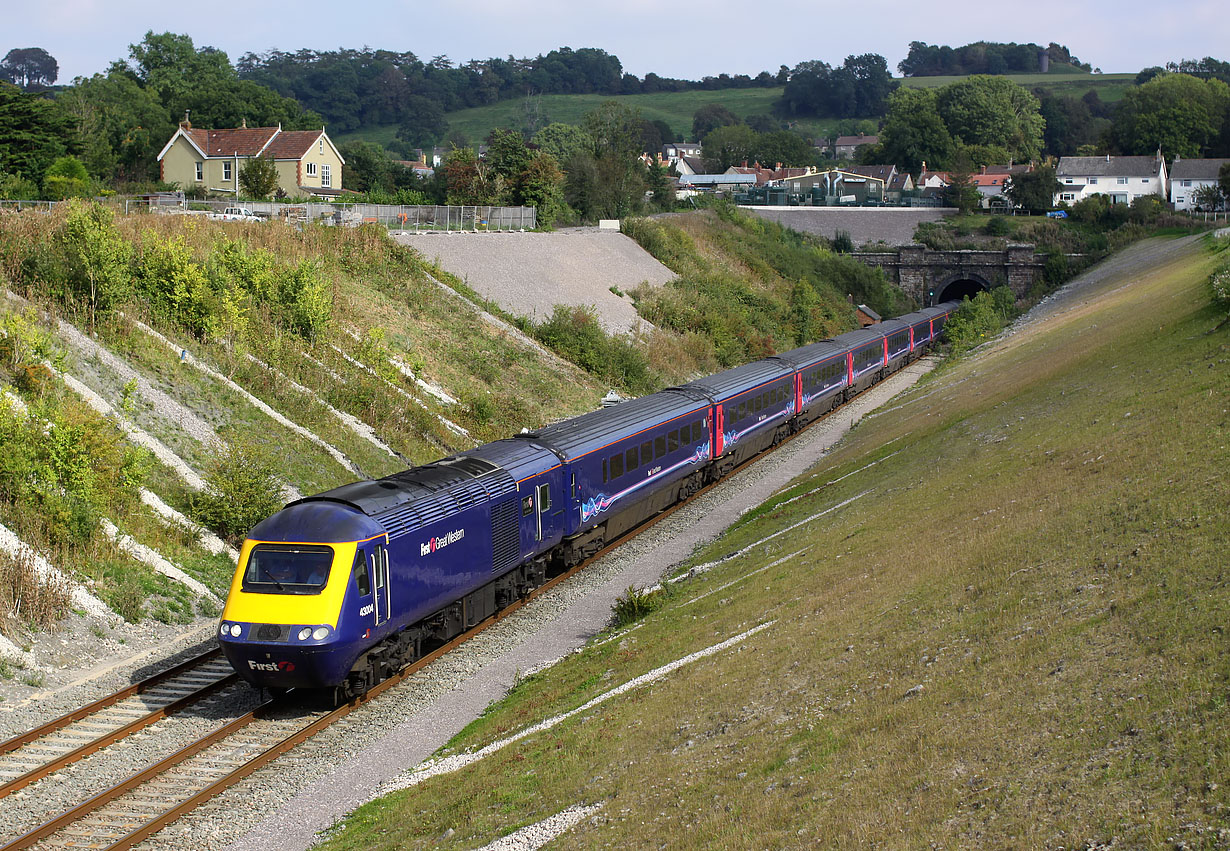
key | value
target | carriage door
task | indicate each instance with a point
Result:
(380, 575)
(543, 494)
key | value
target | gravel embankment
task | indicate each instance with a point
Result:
(527, 274)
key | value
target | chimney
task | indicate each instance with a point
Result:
(186, 124)
(982, 170)
(243, 123)
(745, 164)
(1108, 157)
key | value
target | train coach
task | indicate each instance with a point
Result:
(342, 589)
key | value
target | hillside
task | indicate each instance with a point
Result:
(677, 108)
(993, 617)
(272, 362)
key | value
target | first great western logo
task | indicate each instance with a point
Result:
(430, 546)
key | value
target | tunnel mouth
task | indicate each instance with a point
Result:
(959, 289)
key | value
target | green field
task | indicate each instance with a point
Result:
(1010, 636)
(677, 108)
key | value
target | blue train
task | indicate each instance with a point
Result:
(342, 589)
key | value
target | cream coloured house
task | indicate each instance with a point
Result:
(306, 160)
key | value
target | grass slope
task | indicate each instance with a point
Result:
(677, 108)
(1013, 640)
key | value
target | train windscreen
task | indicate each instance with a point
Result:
(287, 569)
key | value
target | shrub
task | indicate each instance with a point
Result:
(37, 601)
(635, 604)
(97, 257)
(575, 334)
(997, 226)
(973, 323)
(243, 490)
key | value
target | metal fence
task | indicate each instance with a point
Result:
(474, 219)
(394, 216)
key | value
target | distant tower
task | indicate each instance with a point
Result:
(1044, 61)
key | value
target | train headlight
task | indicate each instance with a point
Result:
(224, 630)
(236, 629)
(320, 633)
(305, 633)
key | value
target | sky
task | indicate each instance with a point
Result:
(686, 40)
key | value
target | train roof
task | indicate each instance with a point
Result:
(738, 380)
(914, 318)
(409, 499)
(805, 356)
(856, 338)
(890, 326)
(589, 432)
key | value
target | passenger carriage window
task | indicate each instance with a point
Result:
(659, 447)
(604, 478)
(685, 434)
(362, 582)
(617, 466)
(698, 429)
(672, 441)
(630, 460)
(647, 453)
(759, 403)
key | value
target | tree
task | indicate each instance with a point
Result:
(914, 133)
(470, 179)
(507, 154)
(1034, 190)
(982, 110)
(710, 117)
(782, 146)
(424, 123)
(961, 191)
(727, 146)
(29, 67)
(34, 132)
(1207, 198)
(243, 489)
(259, 177)
(563, 141)
(66, 178)
(1177, 113)
(98, 255)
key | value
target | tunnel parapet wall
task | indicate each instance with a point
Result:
(924, 274)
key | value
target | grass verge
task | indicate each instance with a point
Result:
(1015, 639)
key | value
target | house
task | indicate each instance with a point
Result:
(1187, 176)
(1122, 179)
(845, 147)
(674, 150)
(306, 160)
(689, 165)
(933, 179)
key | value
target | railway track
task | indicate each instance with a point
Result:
(143, 803)
(36, 753)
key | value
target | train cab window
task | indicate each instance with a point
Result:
(617, 466)
(631, 462)
(362, 582)
(544, 498)
(647, 453)
(659, 447)
(527, 505)
(287, 569)
(672, 441)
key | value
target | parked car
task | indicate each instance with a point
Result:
(236, 214)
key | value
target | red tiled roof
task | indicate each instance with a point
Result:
(292, 144)
(242, 141)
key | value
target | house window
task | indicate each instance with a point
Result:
(1180, 199)
(1067, 180)
(326, 175)
(311, 169)
(1093, 181)
(226, 171)
(1067, 196)
(200, 171)
(1144, 180)
(1187, 183)
(1121, 181)
(320, 146)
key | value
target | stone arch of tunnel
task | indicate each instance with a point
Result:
(959, 286)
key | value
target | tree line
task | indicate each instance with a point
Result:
(981, 57)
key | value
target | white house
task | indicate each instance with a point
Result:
(1186, 176)
(1124, 179)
